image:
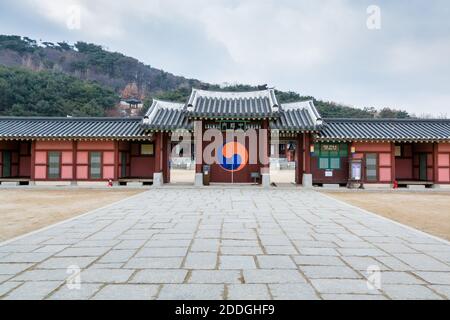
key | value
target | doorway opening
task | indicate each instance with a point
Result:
(6, 164)
(182, 165)
(414, 164)
(282, 162)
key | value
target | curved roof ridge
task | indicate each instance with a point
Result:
(219, 93)
(307, 105)
(296, 104)
(298, 116)
(161, 104)
(167, 104)
(164, 115)
(256, 103)
(386, 119)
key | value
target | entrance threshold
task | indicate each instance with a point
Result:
(414, 182)
(243, 184)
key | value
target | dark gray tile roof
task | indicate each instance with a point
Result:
(165, 115)
(386, 129)
(168, 116)
(232, 105)
(297, 116)
(49, 127)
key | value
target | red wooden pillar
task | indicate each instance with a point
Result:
(32, 160)
(299, 154)
(198, 140)
(265, 153)
(158, 152)
(435, 162)
(393, 162)
(116, 160)
(166, 157)
(307, 144)
(169, 156)
(74, 160)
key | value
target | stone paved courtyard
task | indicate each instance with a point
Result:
(226, 243)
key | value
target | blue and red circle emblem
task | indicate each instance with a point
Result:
(233, 156)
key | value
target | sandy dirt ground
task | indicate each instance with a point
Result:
(429, 212)
(23, 211)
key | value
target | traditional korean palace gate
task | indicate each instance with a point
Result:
(139, 150)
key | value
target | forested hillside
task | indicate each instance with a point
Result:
(55, 79)
(27, 93)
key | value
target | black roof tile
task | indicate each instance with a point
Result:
(165, 115)
(55, 127)
(385, 129)
(297, 116)
(233, 105)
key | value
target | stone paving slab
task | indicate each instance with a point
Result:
(243, 291)
(127, 292)
(226, 243)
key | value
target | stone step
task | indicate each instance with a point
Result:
(416, 186)
(330, 186)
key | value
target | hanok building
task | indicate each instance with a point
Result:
(48, 150)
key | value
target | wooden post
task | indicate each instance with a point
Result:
(158, 151)
(116, 160)
(165, 157)
(435, 162)
(198, 140)
(32, 155)
(169, 156)
(299, 154)
(307, 143)
(265, 164)
(393, 162)
(74, 160)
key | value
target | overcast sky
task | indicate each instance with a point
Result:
(320, 48)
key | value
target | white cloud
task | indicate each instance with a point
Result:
(100, 18)
(261, 36)
(410, 57)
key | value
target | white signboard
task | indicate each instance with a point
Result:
(356, 171)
